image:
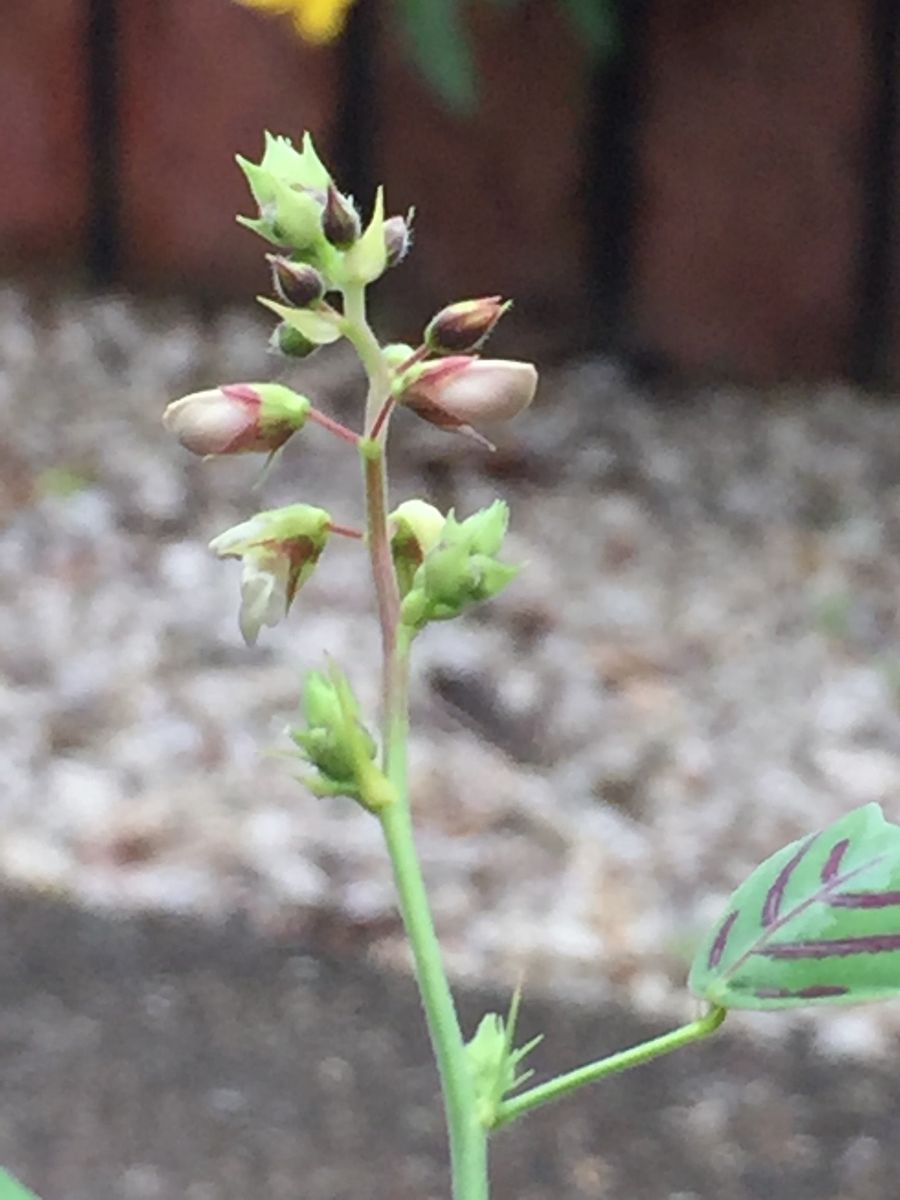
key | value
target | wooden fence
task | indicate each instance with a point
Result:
(719, 197)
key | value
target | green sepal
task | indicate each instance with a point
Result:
(281, 160)
(416, 528)
(263, 227)
(461, 569)
(290, 342)
(281, 407)
(483, 532)
(317, 326)
(494, 1062)
(337, 744)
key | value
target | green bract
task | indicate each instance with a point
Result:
(320, 328)
(494, 1061)
(337, 744)
(366, 260)
(416, 529)
(461, 569)
(817, 923)
(289, 187)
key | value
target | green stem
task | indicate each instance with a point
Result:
(467, 1136)
(356, 329)
(562, 1085)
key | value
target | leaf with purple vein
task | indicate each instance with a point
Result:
(817, 923)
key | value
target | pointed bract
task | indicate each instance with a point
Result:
(460, 569)
(289, 187)
(366, 259)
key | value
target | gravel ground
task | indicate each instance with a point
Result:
(701, 661)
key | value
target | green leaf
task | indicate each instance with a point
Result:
(319, 328)
(596, 23)
(439, 46)
(11, 1189)
(817, 923)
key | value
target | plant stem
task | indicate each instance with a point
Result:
(562, 1085)
(355, 327)
(467, 1136)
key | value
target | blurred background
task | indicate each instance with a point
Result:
(204, 986)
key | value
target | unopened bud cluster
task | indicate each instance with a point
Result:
(458, 568)
(336, 743)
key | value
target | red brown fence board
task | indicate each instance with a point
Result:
(43, 133)
(200, 81)
(498, 196)
(752, 154)
(746, 178)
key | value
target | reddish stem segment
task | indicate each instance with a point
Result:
(345, 531)
(333, 426)
(383, 576)
(383, 413)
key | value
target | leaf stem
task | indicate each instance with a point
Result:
(562, 1085)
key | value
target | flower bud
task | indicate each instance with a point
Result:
(278, 550)
(290, 342)
(398, 238)
(455, 391)
(289, 188)
(237, 418)
(340, 220)
(462, 327)
(297, 283)
(416, 529)
(461, 569)
(334, 741)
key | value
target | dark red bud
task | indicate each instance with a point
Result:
(340, 220)
(462, 327)
(296, 283)
(398, 238)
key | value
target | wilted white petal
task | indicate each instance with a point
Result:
(263, 598)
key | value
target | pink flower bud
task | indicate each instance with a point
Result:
(237, 419)
(456, 391)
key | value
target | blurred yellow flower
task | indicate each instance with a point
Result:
(316, 21)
